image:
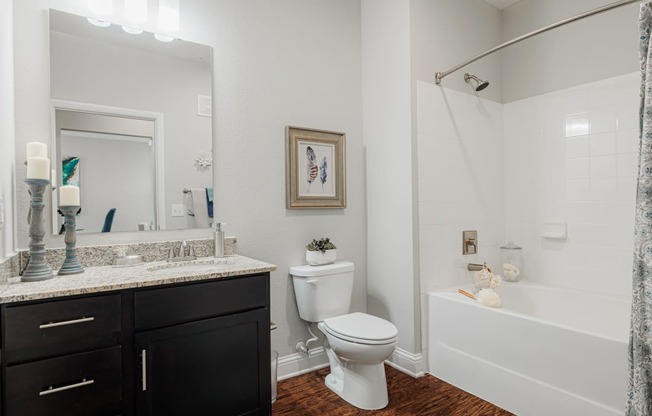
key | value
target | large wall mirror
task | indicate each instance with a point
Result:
(131, 125)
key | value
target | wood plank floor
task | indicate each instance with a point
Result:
(307, 395)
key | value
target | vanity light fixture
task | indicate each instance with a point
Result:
(163, 38)
(136, 11)
(98, 22)
(100, 7)
(168, 15)
(132, 30)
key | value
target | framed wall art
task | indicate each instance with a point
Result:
(315, 168)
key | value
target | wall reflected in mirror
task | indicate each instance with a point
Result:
(135, 113)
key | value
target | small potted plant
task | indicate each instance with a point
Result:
(320, 252)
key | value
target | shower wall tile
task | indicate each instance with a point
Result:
(460, 182)
(599, 132)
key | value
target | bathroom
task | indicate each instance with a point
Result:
(366, 68)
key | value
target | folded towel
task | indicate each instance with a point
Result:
(209, 201)
(197, 208)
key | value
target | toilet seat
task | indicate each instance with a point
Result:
(361, 328)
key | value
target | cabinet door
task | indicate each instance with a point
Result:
(218, 366)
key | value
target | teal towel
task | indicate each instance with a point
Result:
(209, 201)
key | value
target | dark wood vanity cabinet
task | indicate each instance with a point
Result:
(200, 348)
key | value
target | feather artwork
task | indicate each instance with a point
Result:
(311, 166)
(323, 171)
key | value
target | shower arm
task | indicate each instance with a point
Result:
(440, 75)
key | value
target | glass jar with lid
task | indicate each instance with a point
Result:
(512, 262)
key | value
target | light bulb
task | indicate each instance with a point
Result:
(132, 30)
(163, 38)
(168, 15)
(98, 22)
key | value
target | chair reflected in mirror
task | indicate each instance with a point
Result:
(108, 221)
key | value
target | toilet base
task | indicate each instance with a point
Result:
(362, 385)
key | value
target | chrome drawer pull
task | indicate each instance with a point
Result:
(62, 323)
(50, 390)
(144, 364)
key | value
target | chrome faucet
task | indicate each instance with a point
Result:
(181, 255)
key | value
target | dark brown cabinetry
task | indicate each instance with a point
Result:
(190, 349)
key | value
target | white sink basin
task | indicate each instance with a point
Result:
(195, 266)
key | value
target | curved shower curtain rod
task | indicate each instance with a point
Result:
(440, 75)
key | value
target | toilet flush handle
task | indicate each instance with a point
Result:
(312, 281)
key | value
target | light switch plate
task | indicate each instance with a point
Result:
(177, 210)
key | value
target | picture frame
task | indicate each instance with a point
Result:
(315, 168)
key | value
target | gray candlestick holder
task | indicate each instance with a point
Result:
(37, 268)
(70, 264)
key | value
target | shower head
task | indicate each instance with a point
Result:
(481, 84)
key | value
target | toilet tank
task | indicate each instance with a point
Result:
(323, 291)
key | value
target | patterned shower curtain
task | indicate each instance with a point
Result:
(639, 389)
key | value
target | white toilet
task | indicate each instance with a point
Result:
(357, 343)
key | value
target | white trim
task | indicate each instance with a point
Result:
(407, 362)
(296, 364)
(157, 118)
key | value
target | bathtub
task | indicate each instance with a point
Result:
(546, 352)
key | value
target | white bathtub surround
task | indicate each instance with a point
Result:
(570, 183)
(548, 351)
(460, 182)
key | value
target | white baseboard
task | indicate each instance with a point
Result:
(407, 362)
(296, 364)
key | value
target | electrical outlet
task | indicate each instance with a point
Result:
(177, 210)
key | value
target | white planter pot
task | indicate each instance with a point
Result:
(317, 258)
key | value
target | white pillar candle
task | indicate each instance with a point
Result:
(38, 168)
(37, 149)
(69, 195)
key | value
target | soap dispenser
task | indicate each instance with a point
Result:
(218, 237)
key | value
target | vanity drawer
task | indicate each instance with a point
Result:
(157, 308)
(80, 384)
(50, 328)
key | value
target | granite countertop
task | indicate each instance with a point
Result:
(109, 278)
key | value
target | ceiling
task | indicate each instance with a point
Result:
(501, 4)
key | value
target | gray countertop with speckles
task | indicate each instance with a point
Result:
(109, 278)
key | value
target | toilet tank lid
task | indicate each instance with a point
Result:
(325, 270)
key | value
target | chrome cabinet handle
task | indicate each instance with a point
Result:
(143, 358)
(51, 390)
(62, 323)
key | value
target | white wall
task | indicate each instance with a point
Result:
(595, 48)
(392, 281)
(277, 64)
(572, 156)
(447, 32)
(6, 128)
(290, 62)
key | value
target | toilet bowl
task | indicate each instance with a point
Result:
(356, 344)
(357, 369)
